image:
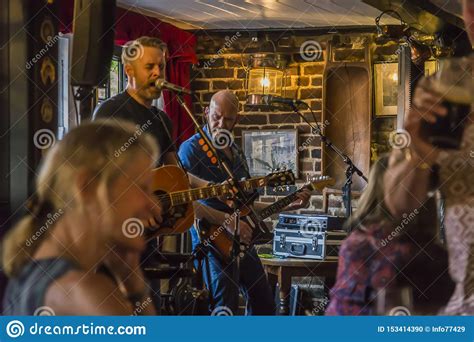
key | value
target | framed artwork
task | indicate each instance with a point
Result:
(386, 88)
(270, 150)
(431, 67)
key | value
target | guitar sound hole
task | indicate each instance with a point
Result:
(170, 214)
(164, 200)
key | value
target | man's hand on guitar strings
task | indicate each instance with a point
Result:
(246, 231)
(302, 201)
(155, 215)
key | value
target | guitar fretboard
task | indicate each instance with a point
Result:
(278, 206)
(187, 196)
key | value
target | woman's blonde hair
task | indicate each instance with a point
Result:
(422, 223)
(371, 207)
(102, 148)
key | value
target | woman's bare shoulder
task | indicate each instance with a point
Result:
(86, 293)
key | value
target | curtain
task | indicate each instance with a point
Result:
(181, 55)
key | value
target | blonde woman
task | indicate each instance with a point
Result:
(92, 190)
(382, 252)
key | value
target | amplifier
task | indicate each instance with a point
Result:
(308, 236)
(311, 222)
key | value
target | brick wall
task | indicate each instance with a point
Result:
(220, 67)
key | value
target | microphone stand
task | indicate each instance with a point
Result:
(83, 94)
(351, 168)
(239, 195)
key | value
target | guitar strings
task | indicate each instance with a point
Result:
(218, 188)
(168, 198)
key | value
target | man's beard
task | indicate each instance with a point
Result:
(150, 92)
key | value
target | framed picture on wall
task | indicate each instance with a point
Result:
(386, 88)
(431, 67)
(270, 150)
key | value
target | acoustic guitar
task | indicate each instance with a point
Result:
(171, 188)
(222, 240)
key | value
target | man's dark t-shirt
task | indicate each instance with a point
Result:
(151, 120)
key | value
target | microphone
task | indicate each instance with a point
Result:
(271, 99)
(162, 84)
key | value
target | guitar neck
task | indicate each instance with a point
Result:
(278, 205)
(187, 196)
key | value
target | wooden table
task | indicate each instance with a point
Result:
(284, 269)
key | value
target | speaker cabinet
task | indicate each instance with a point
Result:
(93, 41)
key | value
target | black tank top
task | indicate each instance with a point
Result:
(25, 293)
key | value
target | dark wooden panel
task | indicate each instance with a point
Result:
(347, 109)
(4, 117)
(28, 54)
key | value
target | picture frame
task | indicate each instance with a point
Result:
(431, 67)
(269, 150)
(386, 88)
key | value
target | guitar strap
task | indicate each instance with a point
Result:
(239, 151)
(169, 135)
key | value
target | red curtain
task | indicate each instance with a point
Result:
(181, 45)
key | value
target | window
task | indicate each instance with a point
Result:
(66, 110)
(117, 79)
(116, 83)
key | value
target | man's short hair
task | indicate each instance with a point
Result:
(133, 49)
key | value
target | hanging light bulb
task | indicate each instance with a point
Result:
(265, 82)
(265, 74)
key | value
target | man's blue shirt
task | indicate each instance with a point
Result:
(196, 161)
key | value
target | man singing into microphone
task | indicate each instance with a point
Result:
(144, 63)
